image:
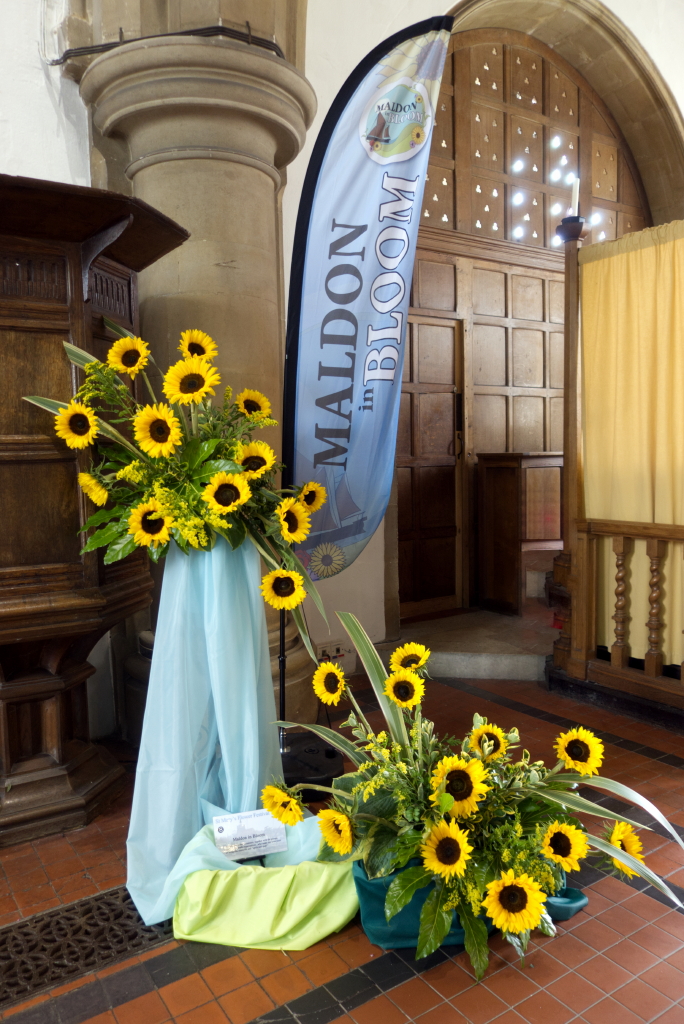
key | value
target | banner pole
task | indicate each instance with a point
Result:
(282, 659)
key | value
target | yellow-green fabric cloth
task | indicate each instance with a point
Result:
(290, 907)
(632, 304)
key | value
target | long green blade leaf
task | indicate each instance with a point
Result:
(298, 617)
(120, 332)
(636, 865)
(578, 803)
(629, 794)
(376, 673)
(79, 356)
(48, 404)
(335, 739)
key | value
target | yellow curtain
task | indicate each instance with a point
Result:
(632, 303)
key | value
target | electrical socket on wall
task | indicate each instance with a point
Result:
(339, 652)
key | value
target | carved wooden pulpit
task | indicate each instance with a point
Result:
(68, 257)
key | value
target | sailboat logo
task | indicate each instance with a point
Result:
(396, 124)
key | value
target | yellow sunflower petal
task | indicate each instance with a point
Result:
(494, 735)
(312, 496)
(281, 805)
(149, 524)
(411, 656)
(283, 588)
(157, 431)
(197, 343)
(98, 494)
(580, 750)
(625, 838)
(77, 425)
(405, 688)
(253, 404)
(190, 380)
(226, 491)
(446, 851)
(464, 780)
(336, 829)
(327, 560)
(329, 682)
(128, 355)
(294, 520)
(565, 845)
(515, 903)
(256, 458)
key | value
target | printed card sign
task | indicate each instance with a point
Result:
(249, 834)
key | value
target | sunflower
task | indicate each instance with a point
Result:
(446, 851)
(336, 829)
(565, 845)
(253, 404)
(496, 737)
(93, 488)
(327, 560)
(157, 430)
(282, 806)
(418, 135)
(515, 903)
(405, 688)
(625, 838)
(581, 750)
(294, 520)
(190, 380)
(77, 425)
(463, 780)
(128, 355)
(411, 656)
(283, 588)
(226, 491)
(197, 343)
(312, 496)
(329, 682)
(149, 524)
(256, 458)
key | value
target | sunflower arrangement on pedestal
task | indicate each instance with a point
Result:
(181, 469)
(490, 830)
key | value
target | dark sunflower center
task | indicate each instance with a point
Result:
(226, 494)
(253, 463)
(286, 803)
(404, 691)
(447, 850)
(459, 784)
(331, 683)
(251, 406)
(190, 383)
(151, 523)
(578, 750)
(513, 899)
(326, 560)
(160, 430)
(130, 357)
(560, 844)
(409, 660)
(493, 739)
(195, 349)
(309, 497)
(337, 828)
(79, 424)
(283, 586)
(291, 521)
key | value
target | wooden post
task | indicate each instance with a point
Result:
(620, 651)
(653, 660)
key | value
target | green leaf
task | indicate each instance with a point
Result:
(158, 552)
(237, 533)
(121, 332)
(376, 673)
(347, 782)
(213, 466)
(382, 805)
(578, 803)
(335, 739)
(105, 536)
(48, 404)
(79, 356)
(446, 802)
(379, 859)
(119, 548)
(636, 865)
(475, 939)
(402, 889)
(328, 855)
(519, 942)
(300, 623)
(434, 923)
(546, 925)
(484, 873)
(103, 516)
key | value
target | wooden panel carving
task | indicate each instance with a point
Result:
(563, 98)
(556, 367)
(44, 514)
(110, 293)
(526, 78)
(438, 200)
(604, 171)
(555, 425)
(33, 276)
(489, 354)
(36, 364)
(489, 427)
(436, 285)
(528, 424)
(486, 69)
(436, 424)
(527, 148)
(527, 216)
(488, 208)
(489, 292)
(435, 354)
(527, 297)
(542, 503)
(528, 358)
(487, 137)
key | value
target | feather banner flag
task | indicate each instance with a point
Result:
(352, 265)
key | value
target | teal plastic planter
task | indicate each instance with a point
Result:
(566, 904)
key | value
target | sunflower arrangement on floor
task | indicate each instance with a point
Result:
(182, 469)
(488, 829)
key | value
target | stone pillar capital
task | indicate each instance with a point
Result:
(190, 97)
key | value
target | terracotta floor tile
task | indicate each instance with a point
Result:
(264, 961)
(666, 979)
(378, 1010)
(107, 873)
(27, 880)
(569, 950)
(358, 950)
(226, 975)
(634, 958)
(448, 979)
(211, 1013)
(62, 868)
(478, 1005)
(442, 1014)
(10, 918)
(657, 941)
(300, 954)
(510, 1017)
(542, 1008)
(71, 883)
(415, 997)
(282, 986)
(673, 923)
(323, 966)
(673, 1016)
(576, 992)
(647, 1002)
(512, 985)
(247, 1003)
(646, 907)
(621, 920)
(609, 1011)
(147, 1009)
(597, 903)
(541, 968)
(38, 908)
(613, 889)
(604, 973)
(662, 864)
(185, 994)
(597, 934)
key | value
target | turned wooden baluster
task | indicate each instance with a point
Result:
(653, 661)
(620, 651)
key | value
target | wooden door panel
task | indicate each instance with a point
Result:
(407, 588)
(527, 295)
(489, 354)
(528, 358)
(528, 424)
(404, 426)
(489, 292)
(436, 285)
(489, 423)
(436, 491)
(556, 424)
(35, 361)
(405, 498)
(436, 424)
(437, 567)
(543, 503)
(556, 302)
(435, 354)
(556, 350)
(46, 518)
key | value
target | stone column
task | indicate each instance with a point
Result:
(210, 124)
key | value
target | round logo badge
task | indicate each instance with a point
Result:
(396, 124)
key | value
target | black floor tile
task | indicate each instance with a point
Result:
(317, 1007)
(388, 971)
(281, 1015)
(672, 759)
(81, 1004)
(171, 966)
(629, 745)
(353, 989)
(608, 737)
(652, 753)
(127, 984)
(204, 954)
(586, 876)
(44, 1013)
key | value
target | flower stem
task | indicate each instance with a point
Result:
(359, 712)
(149, 387)
(193, 419)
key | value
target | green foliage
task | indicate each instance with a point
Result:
(435, 922)
(403, 888)
(475, 941)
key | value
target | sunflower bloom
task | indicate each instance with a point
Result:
(98, 494)
(580, 750)
(226, 491)
(294, 520)
(418, 135)
(281, 805)
(253, 404)
(329, 682)
(515, 903)
(464, 780)
(405, 688)
(149, 524)
(157, 431)
(190, 380)
(256, 458)
(625, 838)
(77, 425)
(336, 829)
(197, 343)
(327, 560)
(313, 496)
(565, 845)
(446, 851)
(495, 736)
(128, 355)
(411, 656)
(283, 588)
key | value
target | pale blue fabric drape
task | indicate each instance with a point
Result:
(208, 737)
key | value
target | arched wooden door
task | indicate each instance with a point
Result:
(484, 363)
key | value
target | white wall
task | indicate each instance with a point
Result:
(43, 123)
